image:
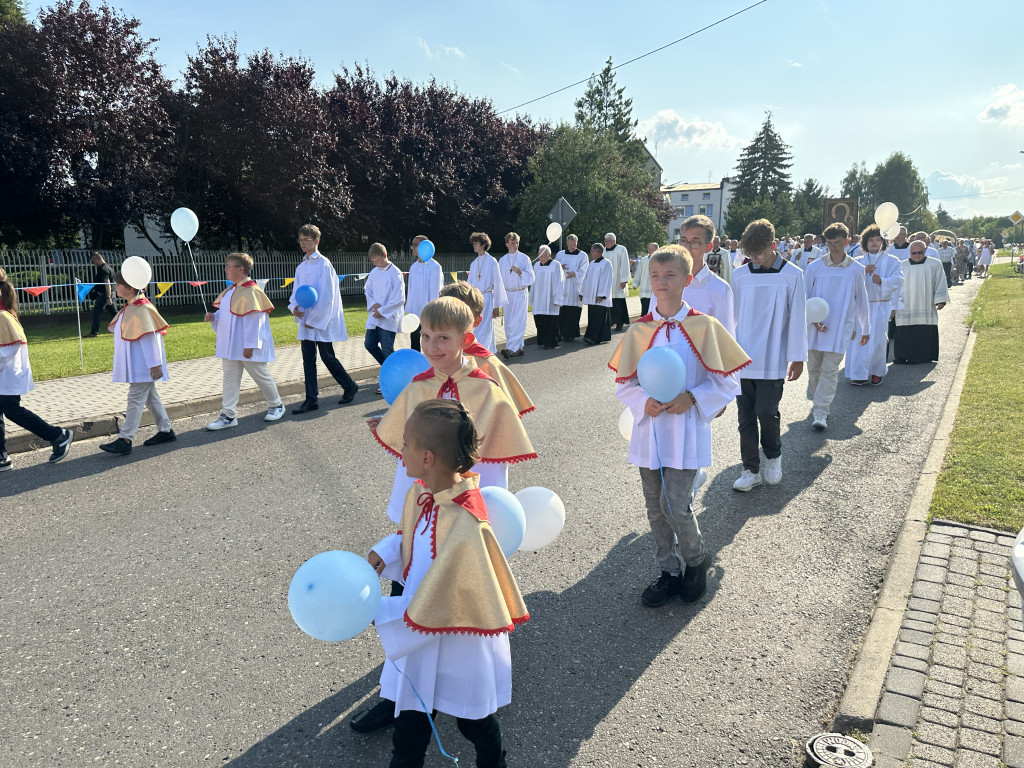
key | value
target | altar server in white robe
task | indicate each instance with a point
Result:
(839, 280)
(805, 254)
(924, 292)
(596, 294)
(883, 279)
(517, 274)
(707, 292)
(486, 278)
(547, 296)
(385, 304)
(426, 279)
(574, 266)
(642, 279)
(618, 257)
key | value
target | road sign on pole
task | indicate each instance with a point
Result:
(563, 213)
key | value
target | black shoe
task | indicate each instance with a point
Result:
(695, 582)
(380, 715)
(588, 342)
(162, 437)
(62, 446)
(5, 462)
(119, 447)
(349, 396)
(658, 593)
(92, 335)
(305, 406)
(519, 353)
(506, 354)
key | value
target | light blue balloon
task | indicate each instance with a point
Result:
(400, 367)
(507, 517)
(662, 373)
(305, 296)
(425, 250)
(334, 596)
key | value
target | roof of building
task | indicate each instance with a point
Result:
(690, 187)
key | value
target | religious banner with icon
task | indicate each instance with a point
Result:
(843, 210)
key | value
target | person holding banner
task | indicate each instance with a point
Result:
(101, 293)
(16, 380)
(425, 282)
(320, 324)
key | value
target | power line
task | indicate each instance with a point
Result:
(637, 58)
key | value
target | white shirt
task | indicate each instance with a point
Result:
(711, 295)
(677, 440)
(803, 259)
(484, 275)
(426, 279)
(770, 318)
(618, 257)
(598, 282)
(642, 278)
(577, 264)
(888, 268)
(946, 254)
(547, 288)
(235, 334)
(15, 371)
(512, 281)
(326, 318)
(387, 288)
(133, 359)
(842, 286)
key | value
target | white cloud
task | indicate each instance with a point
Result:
(1006, 107)
(505, 65)
(794, 63)
(440, 51)
(668, 128)
(943, 185)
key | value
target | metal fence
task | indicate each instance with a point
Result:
(61, 268)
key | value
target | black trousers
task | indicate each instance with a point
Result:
(645, 305)
(330, 360)
(414, 339)
(412, 737)
(11, 408)
(947, 266)
(98, 307)
(620, 313)
(758, 404)
(547, 330)
(599, 323)
(569, 322)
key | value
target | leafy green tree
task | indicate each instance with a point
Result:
(609, 190)
(897, 180)
(606, 107)
(12, 11)
(859, 184)
(763, 186)
(943, 218)
(808, 204)
(778, 210)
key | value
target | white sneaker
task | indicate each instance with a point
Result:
(747, 480)
(773, 471)
(273, 414)
(699, 479)
(222, 422)
(820, 422)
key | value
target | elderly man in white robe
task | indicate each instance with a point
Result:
(574, 266)
(917, 318)
(547, 297)
(618, 257)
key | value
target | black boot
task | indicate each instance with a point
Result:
(375, 717)
(410, 739)
(664, 587)
(695, 581)
(486, 737)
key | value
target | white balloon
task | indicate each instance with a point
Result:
(554, 231)
(816, 309)
(886, 215)
(185, 224)
(137, 272)
(892, 231)
(545, 517)
(410, 323)
(626, 424)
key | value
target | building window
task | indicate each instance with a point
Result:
(706, 196)
(707, 210)
(675, 234)
(684, 196)
(688, 210)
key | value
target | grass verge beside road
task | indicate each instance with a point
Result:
(54, 351)
(982, 477)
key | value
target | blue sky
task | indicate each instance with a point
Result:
(846, 81)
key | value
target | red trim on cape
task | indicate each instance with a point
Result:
(384, 445)
(425, 376)
(476, 349)
(12, 343)
(476, 373)
(473, 502)
(692, 313)
(141, 301)
(465, 630)
(510, 459)
(531, 409)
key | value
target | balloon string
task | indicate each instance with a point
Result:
(423, 704)
(661, 467)
(196, 270)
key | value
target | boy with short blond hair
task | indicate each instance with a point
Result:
(244, 340)
(385, 302)
(484, 275)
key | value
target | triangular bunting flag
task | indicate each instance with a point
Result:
(341, 277)
(36, 290)
(197, 283)
(263, 283)
(229, 283)
(163, 288)
(455, 276)
(288, 281)
(83, 290)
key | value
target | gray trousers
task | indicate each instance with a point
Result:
(143, 395)
(677, 538)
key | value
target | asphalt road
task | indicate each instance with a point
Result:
(143, 599)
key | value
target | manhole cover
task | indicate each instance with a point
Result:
(835, 749)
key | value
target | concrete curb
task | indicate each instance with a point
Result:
(860, 700)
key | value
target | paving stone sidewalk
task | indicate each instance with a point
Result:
(92, 405)
(954, 693)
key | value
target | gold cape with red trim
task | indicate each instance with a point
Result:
(502, 437)
(489, 363)
(469, 587)
(11, 331)
(140, 318)
(716, 350)
(247, 298)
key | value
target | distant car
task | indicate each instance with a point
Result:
(1017, 561)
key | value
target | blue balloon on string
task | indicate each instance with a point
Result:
(400, 367)
(425, 250)
(305, 296)
(334, 596)
(662, 373)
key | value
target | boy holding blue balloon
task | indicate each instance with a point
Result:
(385, 299)
(446, 637)
(676, 369)
(425, 282)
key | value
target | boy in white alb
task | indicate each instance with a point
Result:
(385, 302)
(596, 293)
(486, 278)
(517, 274)
(839, 280)
(771, 327)
(642, 279)
(244, 340)
(883, 277)
(574, 263)
(426, 279)
(672, 440)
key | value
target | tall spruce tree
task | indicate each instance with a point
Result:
(605, 107)
(763, 167)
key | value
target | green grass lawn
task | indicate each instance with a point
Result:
(982, 477)
(54, 351)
